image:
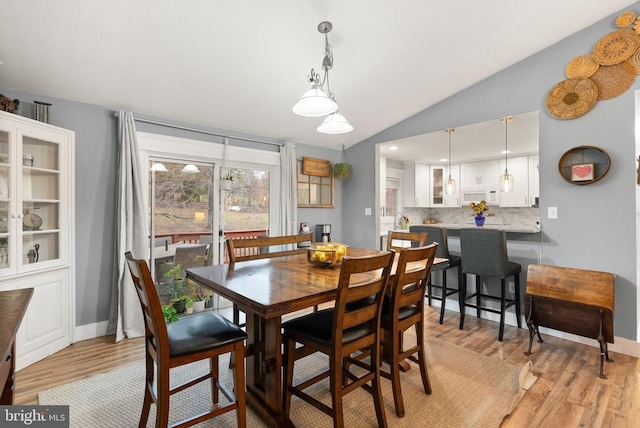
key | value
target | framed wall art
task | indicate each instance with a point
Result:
(582, 172)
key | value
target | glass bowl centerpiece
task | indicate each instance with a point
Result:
(327, 254)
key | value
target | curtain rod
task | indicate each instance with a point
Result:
(202, 131)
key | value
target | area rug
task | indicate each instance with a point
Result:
(469, 390)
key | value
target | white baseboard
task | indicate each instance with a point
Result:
(91, 331)
(621, 345)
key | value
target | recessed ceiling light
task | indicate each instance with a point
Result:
(393, 148)
(444, 160)
(504, 152)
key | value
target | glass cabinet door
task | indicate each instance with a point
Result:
(40, 196)
(5, 174)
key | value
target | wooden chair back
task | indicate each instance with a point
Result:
(356, 284)
(236, 248)
(415, 238)
(156, 336)
(411, 278)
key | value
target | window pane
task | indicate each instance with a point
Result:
(247, 202)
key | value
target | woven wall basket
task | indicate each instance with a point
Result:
(572, 98)
(581, 66)
(635, 60)
(626, 19)
(614, 80)
(616, 47)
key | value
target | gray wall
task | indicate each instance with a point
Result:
(96, 181)
(596, 224)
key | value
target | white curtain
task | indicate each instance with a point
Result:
(126, 315)
(288, 219)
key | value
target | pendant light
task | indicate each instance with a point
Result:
(316, 102)
(158, 167)
(450, 185)
(506, 180)
(190, 169)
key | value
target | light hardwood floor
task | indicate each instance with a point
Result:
(568, 392)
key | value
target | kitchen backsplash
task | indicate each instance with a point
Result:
(495, 215)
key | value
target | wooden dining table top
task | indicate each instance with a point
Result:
(266, 286)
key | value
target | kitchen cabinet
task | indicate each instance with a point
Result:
(479, 176)
(36, 231)
(438, 178)
(519, 196)
(415, 185)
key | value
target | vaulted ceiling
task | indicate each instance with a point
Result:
(241, 65)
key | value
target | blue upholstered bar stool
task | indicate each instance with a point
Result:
(484, 254)
(439, 235)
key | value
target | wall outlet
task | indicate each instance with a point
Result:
(512, 288)
(552, 212)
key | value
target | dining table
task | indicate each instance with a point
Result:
(266, 290)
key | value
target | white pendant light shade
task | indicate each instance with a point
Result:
(158, 167)
(506, 182)
(335, 124)
(190, 169)
(314, 103)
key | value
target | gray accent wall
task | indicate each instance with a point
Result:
(96, 189)
(596, 226)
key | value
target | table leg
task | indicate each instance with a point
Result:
(264, 369)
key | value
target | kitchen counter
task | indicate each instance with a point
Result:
(458, 226)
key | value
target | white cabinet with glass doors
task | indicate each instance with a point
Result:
(36, 230)
(438, 179)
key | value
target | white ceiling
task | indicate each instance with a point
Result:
(240, 65)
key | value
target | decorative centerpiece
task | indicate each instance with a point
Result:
(479, 209)
(327, 255)
(404, 222)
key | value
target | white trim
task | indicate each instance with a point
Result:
(91, 331)
(637, 190)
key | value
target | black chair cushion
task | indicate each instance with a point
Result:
(403, 313)
(318, 327)
(454, 260)
(200, 332)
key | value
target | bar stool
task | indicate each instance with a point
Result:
(484, 254)
(439, 235)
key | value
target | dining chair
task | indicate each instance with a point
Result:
(339, 332)
(439, 235)
(418, 238)
(206, 335)
(403, 309)
(484, 254)
(262, 247)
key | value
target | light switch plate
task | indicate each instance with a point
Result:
(552, 212)
(367, 211)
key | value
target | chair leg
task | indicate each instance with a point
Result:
(377, 388)
(478, 292)
(444, 295)
(236, 314)
(162, 399)
(463, 299)
(239, 385)
(287, 381)
(146, 404)
(429, 291)
(213, 369)
(517, 299)
(394, 365)
(335, 367)
(422, 357)
(462, 291)
(503, 286)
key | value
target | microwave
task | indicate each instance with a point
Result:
(489, 196)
